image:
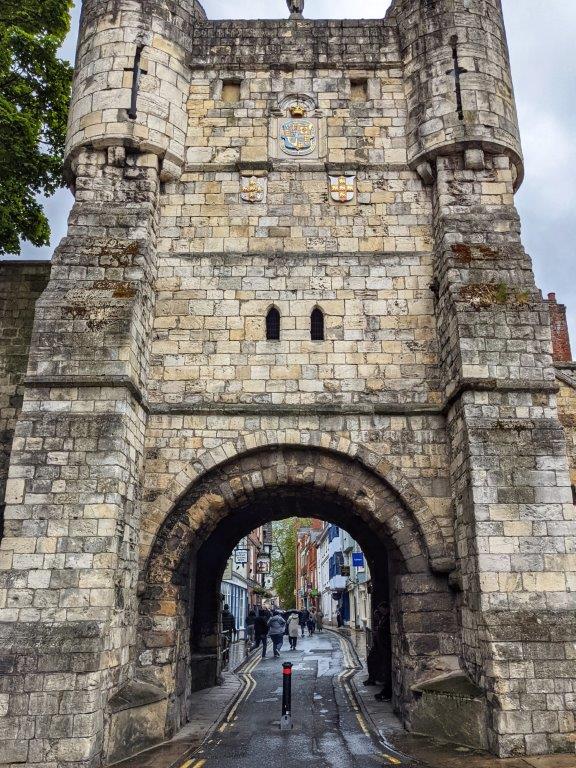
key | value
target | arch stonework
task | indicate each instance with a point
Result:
(439, 541)
(236, 490)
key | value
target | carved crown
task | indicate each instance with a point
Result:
(298, 110)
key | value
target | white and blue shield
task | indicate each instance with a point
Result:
(298, 137)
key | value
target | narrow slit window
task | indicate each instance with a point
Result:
(359, 90)
(317, 325)
(273, 325)
(230, 91)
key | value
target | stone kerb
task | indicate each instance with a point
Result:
(440, 549)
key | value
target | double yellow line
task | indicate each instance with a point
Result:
(249, 685)
(344, 679)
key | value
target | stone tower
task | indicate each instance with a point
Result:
(357, 179)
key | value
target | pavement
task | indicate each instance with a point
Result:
(336, 721)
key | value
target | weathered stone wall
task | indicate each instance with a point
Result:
(392, 211)
(68, 560)
(21, 283)
(514, 510)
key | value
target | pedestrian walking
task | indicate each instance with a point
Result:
(339, 618)
(228, 622)
(261, 631)
(311, 623)
(228, 632)
(304, 613)
(319, 620)
(276, 627)
(293, 625)
(250, 619)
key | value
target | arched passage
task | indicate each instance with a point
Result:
(180, 584)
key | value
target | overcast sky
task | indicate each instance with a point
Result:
(541, 38)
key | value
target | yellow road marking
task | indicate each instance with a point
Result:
(362, 724)
(247, 692)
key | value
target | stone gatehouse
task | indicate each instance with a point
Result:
(293, 282)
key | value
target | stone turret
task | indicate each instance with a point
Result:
(131, 83)
(458, 81)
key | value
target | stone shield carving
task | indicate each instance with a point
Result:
(343, 188)
(253, 189)
(298, 137)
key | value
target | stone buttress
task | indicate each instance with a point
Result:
(69, 554)
(510, 477)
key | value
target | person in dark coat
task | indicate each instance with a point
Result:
(276, 628)
(250, 619)
(261, 631)
(304, 616)
(380, 655)
(228, 621)
(228, 632)
(311, 623)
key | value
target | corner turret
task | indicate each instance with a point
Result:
(131, 85)
(458, 82)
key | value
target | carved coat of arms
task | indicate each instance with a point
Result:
(298, 135)
(343, 188)
(253, 190)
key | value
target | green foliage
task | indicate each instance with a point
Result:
(284, 560)
(34, 99)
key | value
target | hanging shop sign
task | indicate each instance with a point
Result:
(263, 565)
(358, 559)
(241, 556)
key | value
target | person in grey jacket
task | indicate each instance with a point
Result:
(276, 628)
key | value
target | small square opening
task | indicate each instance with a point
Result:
(230, 91)
(359, 90)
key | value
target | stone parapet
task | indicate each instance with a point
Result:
(285, 45)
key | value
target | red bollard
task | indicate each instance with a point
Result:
(286, 721)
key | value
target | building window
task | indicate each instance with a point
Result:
(230, 91)
(359, 90)
(317, 325)
(273, 324)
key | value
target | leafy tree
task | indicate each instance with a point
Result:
(34, 99)
(284, 535)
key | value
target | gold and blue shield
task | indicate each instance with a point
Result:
(298, 137)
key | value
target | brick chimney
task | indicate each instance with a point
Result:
(560, 335)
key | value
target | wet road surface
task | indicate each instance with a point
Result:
(329, 730)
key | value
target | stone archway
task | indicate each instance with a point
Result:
(438, 534)
(180, 579)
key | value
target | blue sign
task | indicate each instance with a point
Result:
(358, 559)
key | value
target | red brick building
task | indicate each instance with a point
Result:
(307, 594)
